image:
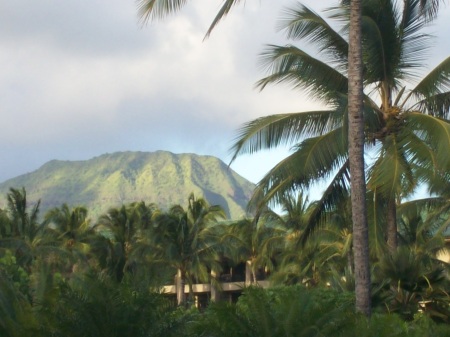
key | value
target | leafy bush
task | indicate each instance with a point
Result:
(281, 311)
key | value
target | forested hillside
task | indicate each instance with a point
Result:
(111, 180)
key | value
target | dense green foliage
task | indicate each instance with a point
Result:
(70, 276)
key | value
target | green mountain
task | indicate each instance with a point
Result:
(111, 180)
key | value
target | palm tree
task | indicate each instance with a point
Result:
(24, 224)
(407, 130)
(69, 224)
(295, 212)
(327, 251)
(420, 229)
(21, 231)
(120, 226)
(132, 234)
(256, 242)
(440, 187)
(356, 160)
(408, 133)
(71, 228)
(186, 241)
(428, 9)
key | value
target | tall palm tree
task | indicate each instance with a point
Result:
(428, 10)
(185, 240)
(408, 129)
(356, 160)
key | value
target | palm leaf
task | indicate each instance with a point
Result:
(437, 105)
(152, 9)
(271, 131)
(420, 155)
(303, 23)
(295, 67)
(435, 132)
(334, 194)
(315, 158)
(391, 171)
(412, 39)
(419, 205)
(436, 82)
(224, 10)
(429, 8)
(380, 40)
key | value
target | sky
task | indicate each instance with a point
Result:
(82, 78)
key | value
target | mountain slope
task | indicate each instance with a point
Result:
(111, 180)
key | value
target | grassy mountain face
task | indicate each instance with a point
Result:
(114, 179)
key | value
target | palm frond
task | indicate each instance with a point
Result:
(224, 10)
(434, 131)
(336, 192)
(414, 41)
(420, 155)
(437, 105)
(303, 23)
(419, 205)
(429, 8)
(152, 9)
(313, 159)
(271, 131)
(436, 82)
(391, 174)
(295, 67)
(380, 40)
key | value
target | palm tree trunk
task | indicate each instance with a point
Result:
(350, 261)
(181, 281)
(248, 273)
(191, 293)
(392, 225)
(356, 160)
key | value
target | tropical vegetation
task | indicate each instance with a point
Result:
(66, 273)
(80, 276)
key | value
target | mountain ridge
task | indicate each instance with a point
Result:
(113, 179)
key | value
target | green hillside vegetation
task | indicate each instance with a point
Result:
(114, 179)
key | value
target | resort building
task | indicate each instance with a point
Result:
(226, 286)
